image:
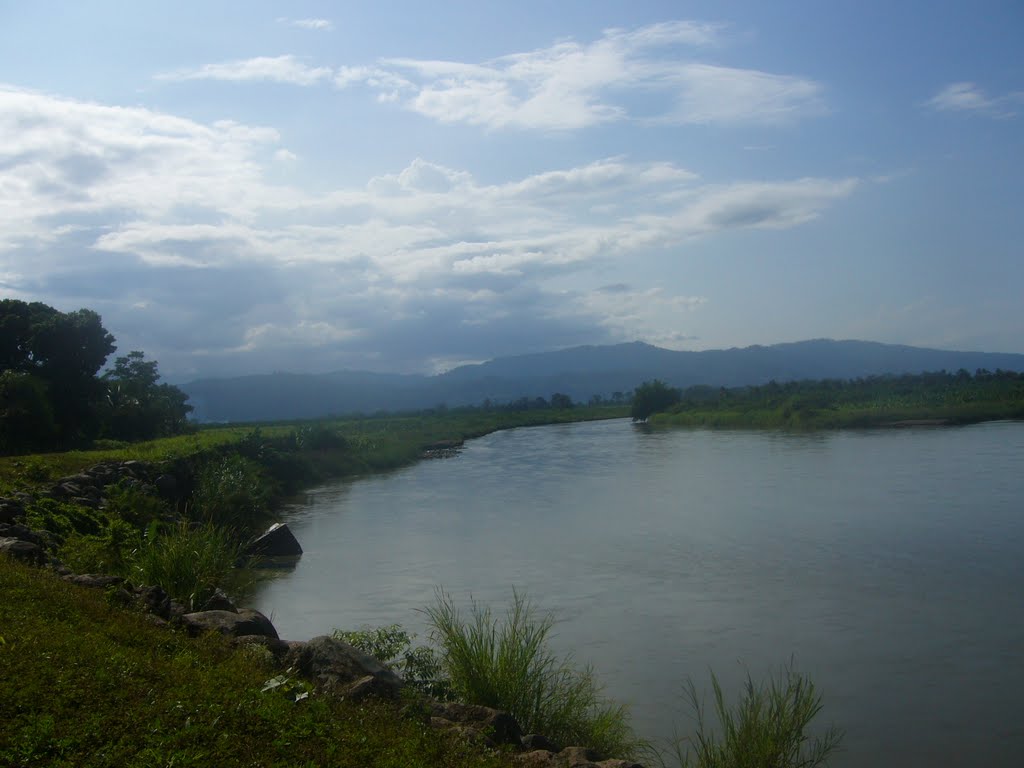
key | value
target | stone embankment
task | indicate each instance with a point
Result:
(330, 666)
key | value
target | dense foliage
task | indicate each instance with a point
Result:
(955, 398)
(50, 395)
(652, 397)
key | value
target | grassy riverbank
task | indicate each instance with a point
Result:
(884, 401)
(87, 684)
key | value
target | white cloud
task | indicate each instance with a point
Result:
(323, 25)
(968, 97)
(118, 208)
(277, 69)
(642, 74)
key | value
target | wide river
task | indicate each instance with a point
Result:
(888, 565)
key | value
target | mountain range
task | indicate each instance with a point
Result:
(580, 372)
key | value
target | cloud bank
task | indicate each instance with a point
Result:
(171, 229)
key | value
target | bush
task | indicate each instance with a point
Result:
(420, 667)
(507, 665)
(188, 562)
(766, 728)
(111, 552)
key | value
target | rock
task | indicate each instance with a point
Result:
(578, 757)
(245, 622)
(25, 551)
(369, 686)
(498, 726)
(277, 648)
(220, 602)
(278, 541)
(97, 581)
(22, 533)
(11, 510)
(531, 742)
(333, 666)
(154, 600)
(538, 758)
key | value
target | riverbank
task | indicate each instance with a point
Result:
(928, 399)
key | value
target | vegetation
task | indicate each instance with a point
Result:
(953, 398)
(50, 395)
(652, 397)
(767, 727)
(90, 685)
(419, 666)
(506, 664)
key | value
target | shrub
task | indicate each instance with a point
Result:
(507, 665)
(189, 562)
(420, 667)
(767, 727)
(110, 552)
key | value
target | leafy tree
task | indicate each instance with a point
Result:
(138, 408)
(62, 351)
(560, 400)
(653, 397)
(26, 418)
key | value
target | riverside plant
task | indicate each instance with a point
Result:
(188, 561)
(767, 727)
(507, 664)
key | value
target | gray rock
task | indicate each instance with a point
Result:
(278, 541)
(22, 533)
(220, 602)
(245, 622)
(333, 666)
(11, 510)
(154, 600)
(25, 551)
(534, 741)
(167, 485)
(277, 648)
(498, 726)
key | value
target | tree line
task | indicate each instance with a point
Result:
(53, 396)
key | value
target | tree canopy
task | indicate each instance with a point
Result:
(51, 395)
(653, 397)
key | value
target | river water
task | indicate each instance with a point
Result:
(888, 565)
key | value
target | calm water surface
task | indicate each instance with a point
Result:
(889, 564)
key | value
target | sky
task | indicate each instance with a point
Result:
(405, 187)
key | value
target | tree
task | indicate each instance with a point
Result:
(560, 400)
(63, 351)
(26, 418)
(137, 407)
(653, 397)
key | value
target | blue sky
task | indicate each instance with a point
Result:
(249, 187)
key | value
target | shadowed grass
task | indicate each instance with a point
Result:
(506, 664)
(767, 728)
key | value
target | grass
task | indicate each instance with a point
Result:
(188, 561)
(767, 728)
(88, 685)
(506, 664)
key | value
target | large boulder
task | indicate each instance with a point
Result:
(244, 622)
(278, 541)
(336, 667)
(25, 551)
(11, 510)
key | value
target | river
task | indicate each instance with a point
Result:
(887, 564)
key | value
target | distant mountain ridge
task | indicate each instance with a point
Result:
(579, 372)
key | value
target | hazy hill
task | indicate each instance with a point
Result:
(579, 372)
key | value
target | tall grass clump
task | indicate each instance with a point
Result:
(506, 664)
(767, 728)
(188, 561)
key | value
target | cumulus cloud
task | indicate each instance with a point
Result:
(276, 69)
(173, 230)
(968, 97)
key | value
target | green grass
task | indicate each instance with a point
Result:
(87, 685)
(189, 562)
(507, 664)
(766, 728)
